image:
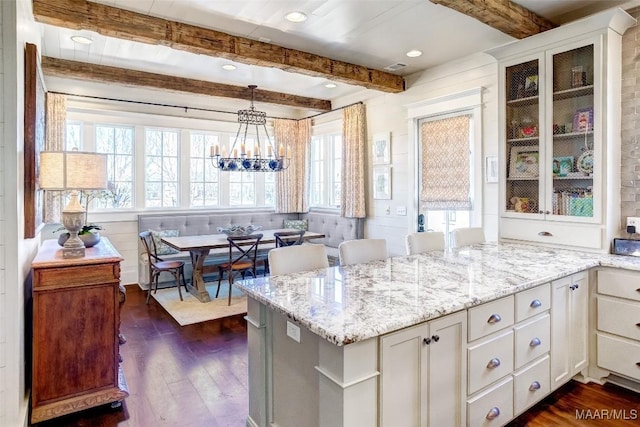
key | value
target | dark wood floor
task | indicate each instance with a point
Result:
(196, 376)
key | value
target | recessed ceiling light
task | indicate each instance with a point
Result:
(229, 67)
(295, 17)
(81, 39)
(414, 53)
(330, 85)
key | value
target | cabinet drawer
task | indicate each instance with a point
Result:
(530, 385)
(619, 317)
(490, 317)
(490, 361)
(533, 301)
(619, 283)
(532, 340)
(619, 355)
(493, 407)
(80, 275)
(560, 233)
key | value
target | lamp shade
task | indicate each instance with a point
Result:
(73, 170)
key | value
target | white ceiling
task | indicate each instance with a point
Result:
(372, 33)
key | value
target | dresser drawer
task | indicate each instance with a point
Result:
(560, 233)
(619, 355)
(490, 317)
(72, 276)
(490, 360)
(533, 301)
(619, 283)
(532, 340)
(619, 317)
(493, 407)
(530, 385)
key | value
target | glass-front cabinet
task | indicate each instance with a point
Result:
(549, 130)
(559, 146)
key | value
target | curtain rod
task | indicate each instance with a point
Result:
(186, 108)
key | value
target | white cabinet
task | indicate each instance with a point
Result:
(618, 322)
(560, 133)
(569, 327)
(508, 356)
(423, 377)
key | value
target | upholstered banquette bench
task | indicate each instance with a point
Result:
(336, 229)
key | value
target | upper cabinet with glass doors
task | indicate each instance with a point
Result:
(560, 133)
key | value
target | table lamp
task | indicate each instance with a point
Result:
(73, 170)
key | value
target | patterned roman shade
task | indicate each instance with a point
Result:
(446, 177)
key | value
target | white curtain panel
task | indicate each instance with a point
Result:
(56, 129)
(291, 184)
(354, 137)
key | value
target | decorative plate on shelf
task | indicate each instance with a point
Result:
(585, 162)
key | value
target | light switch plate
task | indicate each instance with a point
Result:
(401, 210)
(293, 331)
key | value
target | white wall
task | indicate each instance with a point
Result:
(17, 29)
(388, 113)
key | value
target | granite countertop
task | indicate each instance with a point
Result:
(353, 303)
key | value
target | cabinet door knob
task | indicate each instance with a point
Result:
(494, 318)
(535, 342)
(435, 338)
(637, 363)
(638, 290)
(638, 325)
(493, 363)
(427, 341)
(535, 303)
(493, 413)
(534, 386)
(545, 233)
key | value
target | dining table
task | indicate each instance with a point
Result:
(201, 246)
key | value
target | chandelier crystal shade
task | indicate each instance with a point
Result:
(241, 157)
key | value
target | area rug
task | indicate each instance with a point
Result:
(191, 310)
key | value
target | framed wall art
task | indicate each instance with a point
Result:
(491, 169)
(34, 138)
(382, 148)
(382, 182)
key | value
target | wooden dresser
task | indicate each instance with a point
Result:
(76, 320)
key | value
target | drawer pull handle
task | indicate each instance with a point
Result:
(545, 234)
(493, 413)
(427, 341)
(494, 318)
(574, 287)
(535, 342)
(535, 303)
(534, 386)
(435, 338)
(493, 363)
(637, 363)
(638, 290)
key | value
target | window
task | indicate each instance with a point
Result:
(73, 140)
(160, 163)
(445, 194)
(326, 170)
(204, 177)
(117, 143)
(161, 168)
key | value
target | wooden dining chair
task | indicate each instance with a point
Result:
(157, 265)
(288, 238)
(291, 259)
(242, 259)
(362, 250)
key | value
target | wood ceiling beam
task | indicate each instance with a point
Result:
(503, 15)
(103, 74)
(124, 24)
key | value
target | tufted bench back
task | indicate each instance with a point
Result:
(336, 228)
(197, 224)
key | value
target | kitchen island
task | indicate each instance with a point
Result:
(317, 339)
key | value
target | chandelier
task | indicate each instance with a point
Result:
(246, 160)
